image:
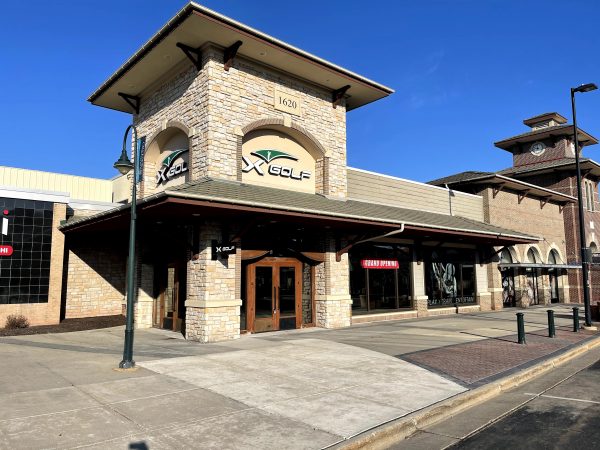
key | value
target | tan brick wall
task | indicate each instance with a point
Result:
(531, 218)
(95, 284)
(46, 313)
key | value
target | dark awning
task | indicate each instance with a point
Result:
(538, 266)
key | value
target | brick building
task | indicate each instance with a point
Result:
(540, 189)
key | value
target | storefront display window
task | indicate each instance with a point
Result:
(25, 274)
(380, 278)
(449, 277)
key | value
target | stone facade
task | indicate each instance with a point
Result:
(212, 309)
(95, 276)
(214, 106)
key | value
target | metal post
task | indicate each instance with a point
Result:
(521, 328)
(551, 327)
(575, 319)
(128, 361)
(582, 241)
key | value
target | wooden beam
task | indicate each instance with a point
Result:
(522, 195)
(338, 95)
(230, 53)
(193, 54)
(543, 202)
(497, 188)
(132, 100)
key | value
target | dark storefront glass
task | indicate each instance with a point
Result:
(25, 275)
(449, 276)
(378, 290)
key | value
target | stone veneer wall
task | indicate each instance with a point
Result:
(333, 301)
(212, 105)
(212, 309)
(95, 278)
(46, 313)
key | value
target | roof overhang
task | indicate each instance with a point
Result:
(173, 209)
(503, 182)
(546, 133)
(588, 166)
(538, 266)
(196, 26)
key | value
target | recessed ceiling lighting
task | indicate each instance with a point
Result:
(263, 53)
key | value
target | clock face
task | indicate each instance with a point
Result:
(537, 148)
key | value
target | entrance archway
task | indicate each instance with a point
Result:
(508, 280)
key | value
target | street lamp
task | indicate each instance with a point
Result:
(124, 166)
(582, 243)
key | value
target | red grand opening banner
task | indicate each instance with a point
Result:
(379, 264)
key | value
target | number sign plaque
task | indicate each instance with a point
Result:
(287, 103)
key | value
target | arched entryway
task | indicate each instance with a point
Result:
(508, 280)
(554, 275)
(533, 276)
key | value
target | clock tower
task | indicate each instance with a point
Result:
(550, 138)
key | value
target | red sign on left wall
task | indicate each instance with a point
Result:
(6, 250)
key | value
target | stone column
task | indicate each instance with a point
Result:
(482, 296)
(419, 302)
(333, 302)
(212, 309)
(145, 296)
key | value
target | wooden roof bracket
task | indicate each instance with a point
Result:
(543, 202)
(193, 54)
(230, 53)
(132, 100)
(346, 249)
(338, 95)
(236, 239)
(522, 195)
(497, 189)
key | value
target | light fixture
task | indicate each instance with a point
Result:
(586, 87)
(123, 164)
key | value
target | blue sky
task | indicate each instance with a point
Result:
(466, 73)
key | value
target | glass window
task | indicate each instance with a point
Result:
(25, 275)
(449, 276)
(383, 286)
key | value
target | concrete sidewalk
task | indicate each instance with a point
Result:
(309, 388)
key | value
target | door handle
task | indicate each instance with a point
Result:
(274, 300)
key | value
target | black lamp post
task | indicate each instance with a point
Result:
(124, 166)
(584, 254)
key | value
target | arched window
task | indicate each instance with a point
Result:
(505, 256)
(554, 257)
(532, 256)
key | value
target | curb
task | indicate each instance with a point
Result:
(397, 430)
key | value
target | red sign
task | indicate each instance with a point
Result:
(379, 264)
(6, 250)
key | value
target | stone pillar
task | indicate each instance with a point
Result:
(212, 309)
(419, 302)
(333, 302)
(145, 296)
(482, 296)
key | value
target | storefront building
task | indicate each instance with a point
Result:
(249, 219)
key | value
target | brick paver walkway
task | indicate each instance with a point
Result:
(473, 362)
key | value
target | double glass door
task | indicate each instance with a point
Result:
(274, 293)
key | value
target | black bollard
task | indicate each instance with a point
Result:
(575, 319)
(521, 328)
(551, 327)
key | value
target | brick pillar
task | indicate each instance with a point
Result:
(212, 309)
(482, 296)
(333, 302)
(145, 296)
(419, 302)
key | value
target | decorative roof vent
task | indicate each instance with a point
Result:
(545, 120)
